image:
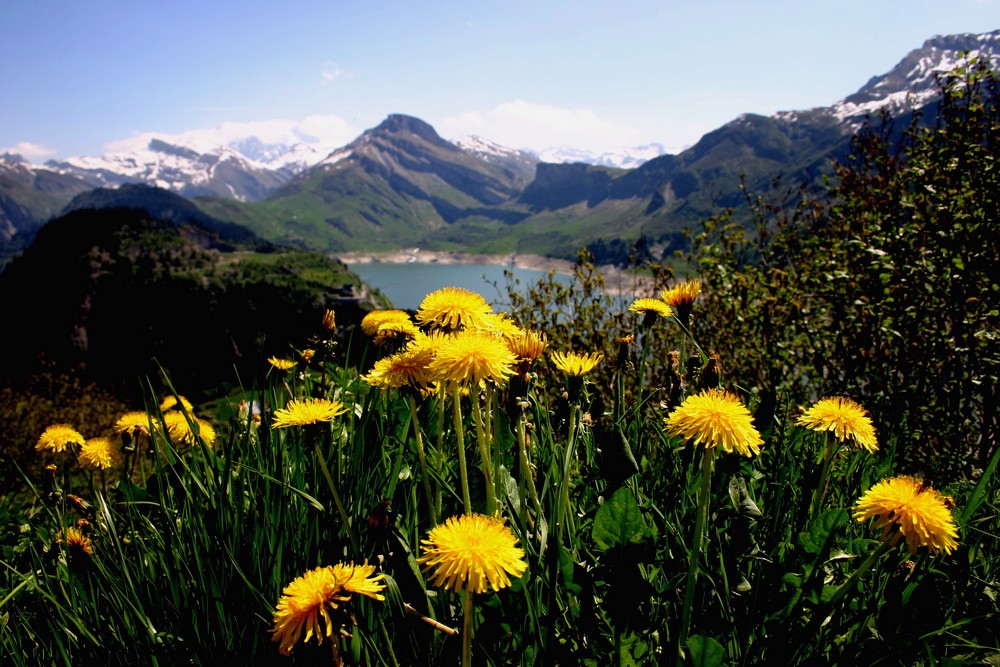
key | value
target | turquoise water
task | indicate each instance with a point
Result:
(406, 284)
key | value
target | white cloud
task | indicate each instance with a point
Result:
(526, 125)
(30, 151)
(331, 72)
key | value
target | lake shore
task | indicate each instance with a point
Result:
(617, 280)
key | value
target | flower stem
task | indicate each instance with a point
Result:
(487, 459)
(704, 496)
(463, 472)
(355, 549)
(467, 630)
(423, 460)
(820, 491)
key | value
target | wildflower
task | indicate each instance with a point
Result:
(171, 402)
(919, 513)
(371, 322)
(396, 329)
(576, 365)
(281, 364)
(133, 423)
(472, 551)
(307, 601)
(715, 417)
(452, 308)
(307, 355)
(75, 541)
(58, 437)
(650, 309)
(182, 429)
(99, 454)
(409, 368)
(307, 411)
(330, 320)
(468, 358)
(528, 345)
(845, 418)
(497, 324)
(681, 298)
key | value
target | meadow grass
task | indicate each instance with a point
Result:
(625, 532)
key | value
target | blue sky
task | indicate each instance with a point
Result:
(80, 78)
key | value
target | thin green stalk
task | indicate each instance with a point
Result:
(456, 396)
(527, 478)
(704, 497)
(355, 549)
(423, 460)
(467, 630)
(487, 459)
(820, 491)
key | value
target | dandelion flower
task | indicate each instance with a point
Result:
(75, 541)
(133, 423)
(576, 365)
(845, 418)
(650, 309)
(57, 437)
(681, 298)
(307, 411)
(396, 329)
(99, 454)
(453, 308)
(330, 320)
(409, 368)
(468, 358)
(182, 429)
(682, 294)
(472, 551)
(171, 402)
(306, 602)
(281, 364)
(918, 512)
(715, 417)
(371, 322)
(528, 345)
(307, 355)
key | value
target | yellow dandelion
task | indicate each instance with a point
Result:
(918, 512)
(409, 368)
(75, 541)
(306, 603)
(307, 411)
(574, 364)
(57, 437)
(682, 294)
(330, 320)
(471, 552)
(371, 322)
(845, 418)
(396, 329)
(467, 358)
(133, 423)
(281, 364)
(171, 403)
(182, 429)
(650, 309)
(99, 454)
(528, 346)
(497, 324)
(715, 417)
(452, 308)
(307, 355)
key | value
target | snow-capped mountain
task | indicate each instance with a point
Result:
(222, 171)
(625, 158)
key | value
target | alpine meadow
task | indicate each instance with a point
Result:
(778, 446)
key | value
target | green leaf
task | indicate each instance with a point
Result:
(704, 652)
(817, 539)
(619, 521)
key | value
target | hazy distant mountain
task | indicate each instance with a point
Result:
(402, 184)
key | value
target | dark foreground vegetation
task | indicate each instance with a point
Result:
(631, 481)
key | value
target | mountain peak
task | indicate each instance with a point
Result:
(397, 123)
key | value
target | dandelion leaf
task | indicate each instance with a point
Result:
(619, 521)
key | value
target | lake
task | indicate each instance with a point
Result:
(406, 284)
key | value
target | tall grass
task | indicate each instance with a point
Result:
(635, 554)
